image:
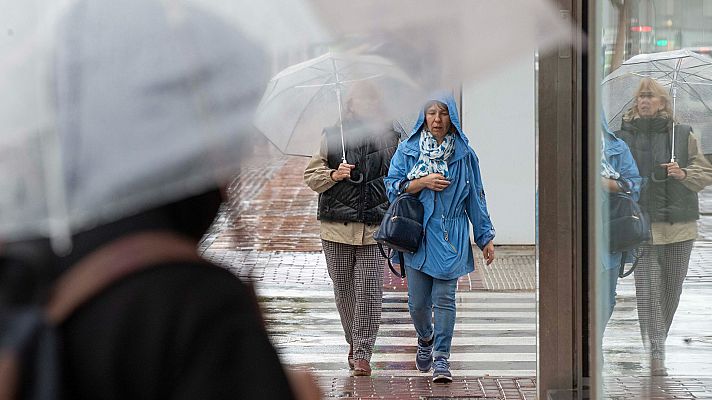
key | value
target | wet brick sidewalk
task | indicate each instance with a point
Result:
(649, 388)
(418, 388)
(618, 388)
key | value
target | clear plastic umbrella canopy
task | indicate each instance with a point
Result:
(303, 99)
(110, 107)
(686, 75)
(441, 44)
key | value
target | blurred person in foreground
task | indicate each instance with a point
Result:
(437, 162)
(352, 202)
(183, 328)
(669, 197)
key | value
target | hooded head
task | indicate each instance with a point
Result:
(147, 116)
(611, 143)
(148, 103)
(440, 98)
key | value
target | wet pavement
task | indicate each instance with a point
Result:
(268, 234)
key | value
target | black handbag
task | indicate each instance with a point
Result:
(401, 228)
(627, 225)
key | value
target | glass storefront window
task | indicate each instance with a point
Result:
(655, 138)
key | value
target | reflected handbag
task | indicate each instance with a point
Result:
(627, 225)
(401, 228)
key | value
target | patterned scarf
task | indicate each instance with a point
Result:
(433, 157)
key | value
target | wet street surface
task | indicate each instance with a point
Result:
(269, 235)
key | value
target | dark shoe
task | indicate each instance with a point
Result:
(424, 355)
(441, 370)
(657, 367)
(350, 357)
(361, 368)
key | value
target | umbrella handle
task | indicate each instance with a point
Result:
(360, 175)
(360, 179)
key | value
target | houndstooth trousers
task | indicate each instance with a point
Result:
(357, 273)
(658, 286)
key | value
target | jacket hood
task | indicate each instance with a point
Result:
(412, 143)
(613, 144)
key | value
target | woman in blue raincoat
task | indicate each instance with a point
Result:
(619, 173)
(437, 162)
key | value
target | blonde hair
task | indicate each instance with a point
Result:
(650, 85)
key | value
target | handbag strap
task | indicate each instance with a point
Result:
(622, 273)
(90, 276)
(402, 264)
(113, 262)
(390, 264)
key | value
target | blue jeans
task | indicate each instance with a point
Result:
(428, 296)
(609, 281)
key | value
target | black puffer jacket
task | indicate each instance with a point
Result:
(363, 199)
(650, 140)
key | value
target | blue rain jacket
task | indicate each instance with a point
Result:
(621, 159)
(445, 251)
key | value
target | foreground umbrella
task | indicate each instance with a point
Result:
(108, 108)
(687, 75)
(442, 44)
(305, 98)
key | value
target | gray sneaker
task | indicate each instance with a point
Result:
(441, 370)
(424, 355)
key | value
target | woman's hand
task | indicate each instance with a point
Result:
(488, 252)
(436, 182)
(674, 170)
(344, 172)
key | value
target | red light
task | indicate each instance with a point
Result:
(642, 28)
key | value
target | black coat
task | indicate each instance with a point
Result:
(178, 331)
(370, 150)
(650, 141)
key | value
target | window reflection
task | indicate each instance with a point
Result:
(656, 137)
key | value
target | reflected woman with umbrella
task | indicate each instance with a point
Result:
(673, 170)
(352, 202)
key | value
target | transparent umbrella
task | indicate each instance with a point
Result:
(108, 108)
(307, 97)
(442, 44)
(687, 76)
